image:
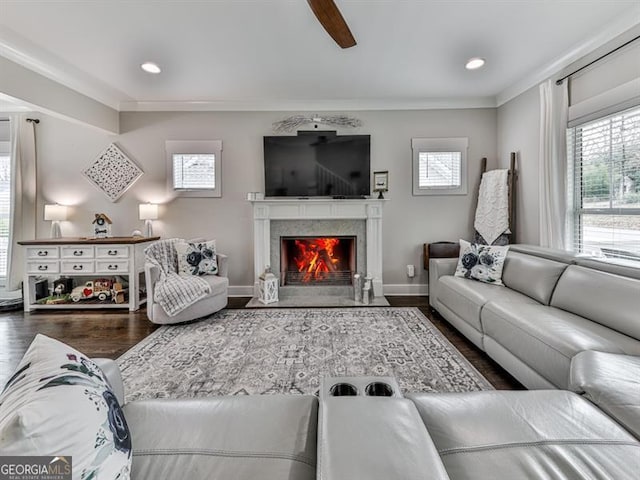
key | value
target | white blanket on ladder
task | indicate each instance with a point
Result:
(492, 214)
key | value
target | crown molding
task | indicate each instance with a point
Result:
(26, 54)
(285, 105)
(607, 34)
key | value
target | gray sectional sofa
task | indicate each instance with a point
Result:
(591, 433)
(553, 305)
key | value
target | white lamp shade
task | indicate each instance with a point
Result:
(148, 211)
(55, 212)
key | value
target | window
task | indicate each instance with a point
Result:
(439, 169)
(193, 168)
(194, 171)
(439, 166)
(5, 205)
(605, 175)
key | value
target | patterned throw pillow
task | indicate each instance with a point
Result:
(59, 403)
(481, 262)
(197, 258)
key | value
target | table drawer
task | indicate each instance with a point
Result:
(112, 266)
(77, 266)
(113, 251)
(42, 253)
(43, 266)
(77, 251)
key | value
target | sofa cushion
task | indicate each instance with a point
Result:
(481, 262)
(198, 258)
(241, 438)
(375, 439)
(562, 256)
(533, 434)
(534, 276)
(546, 338)
(59, 403)
(612, 382)
(219, 285)
(466, 298)
(611, 300)
(610, 265)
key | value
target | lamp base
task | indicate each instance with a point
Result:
(55, 229)
(148, 228)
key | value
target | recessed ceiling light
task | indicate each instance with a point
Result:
(474, 63)
(150, 67)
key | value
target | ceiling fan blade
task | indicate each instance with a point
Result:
(331, 19)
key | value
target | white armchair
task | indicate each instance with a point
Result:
(215, 301)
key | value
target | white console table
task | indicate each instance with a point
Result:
(84, 259)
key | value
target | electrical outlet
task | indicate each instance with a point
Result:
(411, 271)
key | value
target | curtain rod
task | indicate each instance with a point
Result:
(34, 120)
(560, 80)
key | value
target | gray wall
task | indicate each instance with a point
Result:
(65, 148)
(519, 131)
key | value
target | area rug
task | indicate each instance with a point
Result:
(246, 352)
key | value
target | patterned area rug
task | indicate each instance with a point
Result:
(241, 352)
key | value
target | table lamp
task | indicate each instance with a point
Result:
(148, 212)
(55, 214)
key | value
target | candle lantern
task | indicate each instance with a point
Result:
(267, 287)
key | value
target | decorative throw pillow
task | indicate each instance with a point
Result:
(197, 258)
(481, 262)
(59, 403)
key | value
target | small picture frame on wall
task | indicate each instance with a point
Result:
(381, 183)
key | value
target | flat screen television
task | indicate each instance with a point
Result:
(317, 164)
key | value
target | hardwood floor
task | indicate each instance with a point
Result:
(110, 334)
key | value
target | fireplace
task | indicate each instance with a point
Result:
(274, 219)
(317, 260)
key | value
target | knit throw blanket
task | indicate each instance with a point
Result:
(492, 214)
(173, 292)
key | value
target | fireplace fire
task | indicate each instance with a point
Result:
(317, 260)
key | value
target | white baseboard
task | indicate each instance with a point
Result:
(241, 290)
(388, 289)
(406, 289)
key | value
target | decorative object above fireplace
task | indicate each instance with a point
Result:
(291, 124)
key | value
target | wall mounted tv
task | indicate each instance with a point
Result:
(317, 164)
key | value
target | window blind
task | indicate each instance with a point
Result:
(194, 171)
(606, 185)
(439, 169)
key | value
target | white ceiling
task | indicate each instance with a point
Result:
(255, 53)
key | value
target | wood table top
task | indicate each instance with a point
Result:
(88, 240)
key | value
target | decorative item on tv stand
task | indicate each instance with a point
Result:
(101, 226)
(381, 183)
(267, 287)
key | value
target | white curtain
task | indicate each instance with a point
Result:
(554, 105)
(22, 224)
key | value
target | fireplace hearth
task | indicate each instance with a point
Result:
(317, 260)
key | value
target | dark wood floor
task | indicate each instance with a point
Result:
(110, 334)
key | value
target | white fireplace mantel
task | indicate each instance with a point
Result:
(370, 210)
